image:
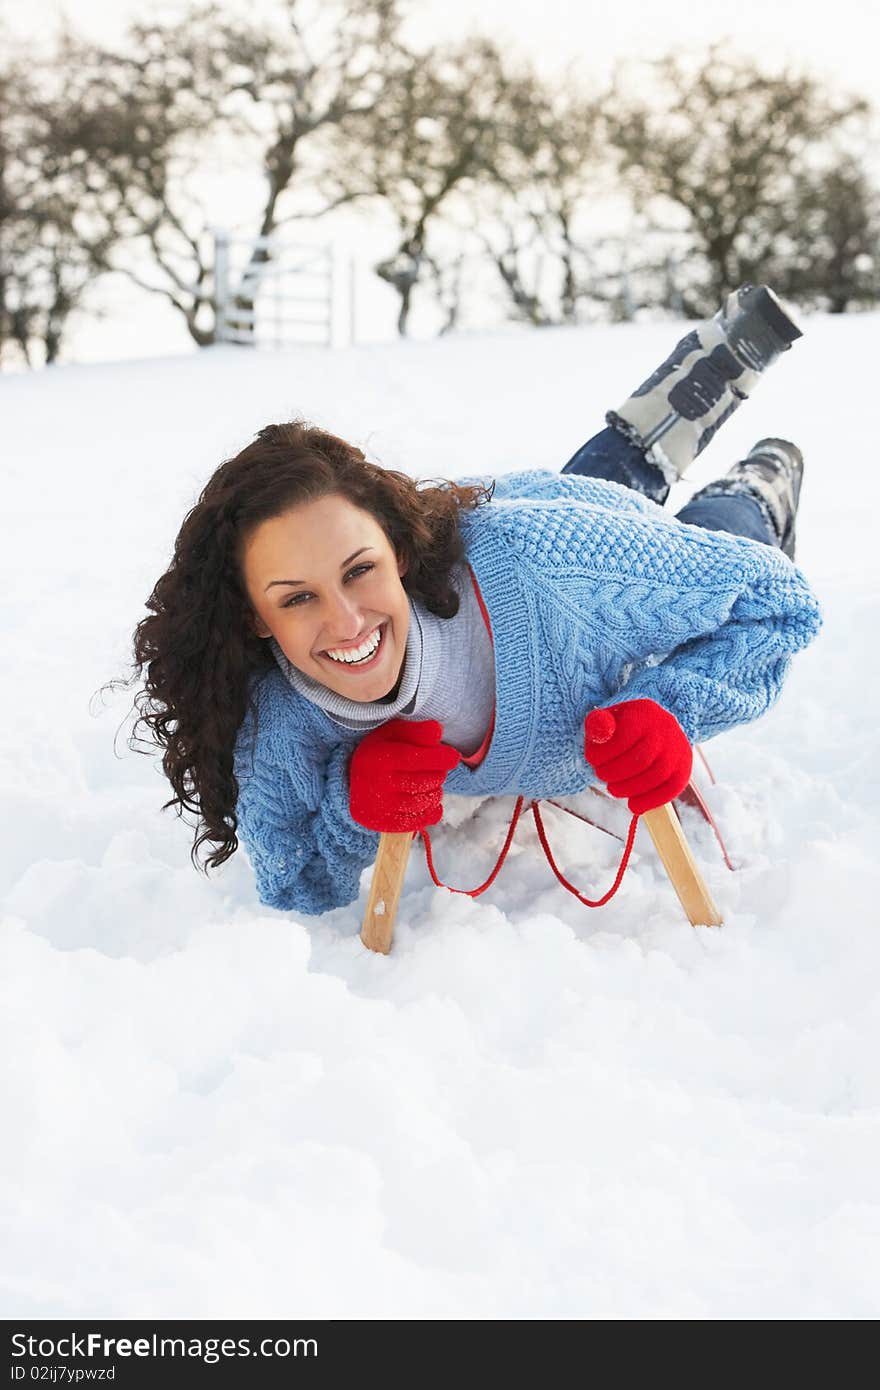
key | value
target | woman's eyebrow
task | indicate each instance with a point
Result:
(302, 581)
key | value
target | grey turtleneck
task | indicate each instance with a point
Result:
(448, 675)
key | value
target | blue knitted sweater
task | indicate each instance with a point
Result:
(594, 594)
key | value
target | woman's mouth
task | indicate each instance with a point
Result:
(372, 651)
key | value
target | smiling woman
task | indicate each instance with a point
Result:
(300, 557)
(335, 645)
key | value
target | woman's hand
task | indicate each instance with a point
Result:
(396, 775)
(640, 751)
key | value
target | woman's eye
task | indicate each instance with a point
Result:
(296, 600)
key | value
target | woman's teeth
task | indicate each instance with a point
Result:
(353, 655)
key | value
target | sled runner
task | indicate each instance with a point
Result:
(662, 824)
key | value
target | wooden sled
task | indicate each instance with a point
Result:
(662, 824)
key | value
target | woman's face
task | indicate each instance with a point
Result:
(324, 581)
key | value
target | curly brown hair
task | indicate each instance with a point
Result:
(198, 649)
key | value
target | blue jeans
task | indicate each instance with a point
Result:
(610, 455)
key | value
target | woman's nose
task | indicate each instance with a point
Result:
(343, 618)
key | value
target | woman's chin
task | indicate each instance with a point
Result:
(370, 687)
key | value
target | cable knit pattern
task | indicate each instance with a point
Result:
(306, 851)
(592, 591)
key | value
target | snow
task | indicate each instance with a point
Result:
(528, 1109)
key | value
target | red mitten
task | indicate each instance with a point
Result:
(396, 775)
(640, 751)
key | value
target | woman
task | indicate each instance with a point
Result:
(335, 644)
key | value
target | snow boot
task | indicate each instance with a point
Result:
(674, 414)
(772, 473)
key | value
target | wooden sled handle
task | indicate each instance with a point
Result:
(389, 872)
(663, 826)
(665, 830)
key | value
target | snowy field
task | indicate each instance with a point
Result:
(530, 1109)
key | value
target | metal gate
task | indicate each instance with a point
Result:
(271, 293)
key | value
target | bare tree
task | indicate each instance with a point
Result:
(550, 161)
(829, 247)
(430, 138)
(139, 125)
(286, 90)
(51, 249)
(715, 151)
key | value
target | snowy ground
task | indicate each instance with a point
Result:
(529, 1110)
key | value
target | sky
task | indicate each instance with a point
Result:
(528, 1109)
